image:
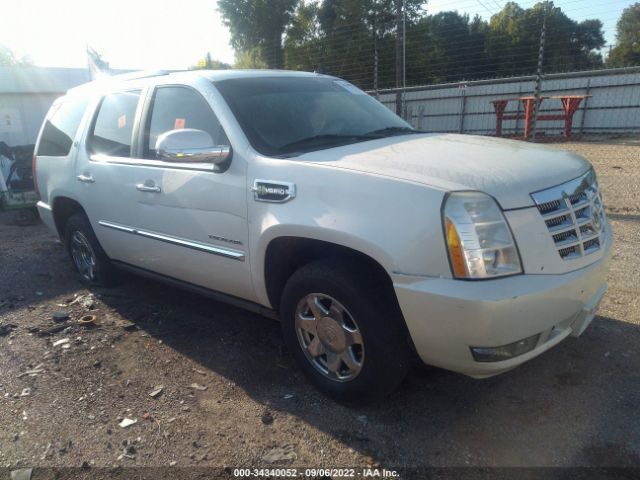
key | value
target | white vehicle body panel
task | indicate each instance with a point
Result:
(381, 197)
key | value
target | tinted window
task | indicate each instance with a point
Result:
(113, 127)
(180, 107)
(280, 114)
(60, 128)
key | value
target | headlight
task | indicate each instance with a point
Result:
(478, 238)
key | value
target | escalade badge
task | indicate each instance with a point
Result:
(273, 191)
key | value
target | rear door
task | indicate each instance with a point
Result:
(186, 220)
(105, 181)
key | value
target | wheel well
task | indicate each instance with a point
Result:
(63, 208)
(285, 255)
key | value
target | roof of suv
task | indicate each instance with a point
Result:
(213, 75)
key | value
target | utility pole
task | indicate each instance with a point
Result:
(399, 37)
(375, 48)
(536, 101)
(404, 58)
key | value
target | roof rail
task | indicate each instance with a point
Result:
(119, 78)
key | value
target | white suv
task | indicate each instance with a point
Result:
(300, 197)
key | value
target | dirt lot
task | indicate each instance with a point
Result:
(232, 396)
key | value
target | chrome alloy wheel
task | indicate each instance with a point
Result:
(83, 255)
(329, 337)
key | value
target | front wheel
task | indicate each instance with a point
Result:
(344, 330)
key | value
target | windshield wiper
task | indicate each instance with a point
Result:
(388, 131)
(327, 138)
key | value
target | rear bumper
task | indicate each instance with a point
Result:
(447, 317)
(46, 215)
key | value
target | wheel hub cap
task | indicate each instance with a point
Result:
(329, 337)
(83, 255)
(331, 334)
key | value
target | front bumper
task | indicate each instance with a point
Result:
(446, 317)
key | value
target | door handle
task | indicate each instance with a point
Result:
(144, 187)
(86, 178)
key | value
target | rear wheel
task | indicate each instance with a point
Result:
(89, 259)
(344, 330)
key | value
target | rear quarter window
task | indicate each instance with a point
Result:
(60, 128)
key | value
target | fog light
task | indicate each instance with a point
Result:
(505, 352)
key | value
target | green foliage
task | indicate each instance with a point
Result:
(627, 51)
(207, 63)
(258, 24)
(346, 37)
(251, 59)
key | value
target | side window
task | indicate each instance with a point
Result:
(113, 127)
(60, 128)
(180, 107)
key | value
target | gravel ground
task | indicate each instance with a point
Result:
(617, 162)
(231, 396)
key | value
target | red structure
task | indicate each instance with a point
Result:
(570, 104)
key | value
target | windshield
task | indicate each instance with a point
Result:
(286, 116)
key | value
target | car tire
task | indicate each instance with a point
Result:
(88, 257)
(356, 319)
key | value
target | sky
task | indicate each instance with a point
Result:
(151, 34)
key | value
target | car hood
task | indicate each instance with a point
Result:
(508, 170)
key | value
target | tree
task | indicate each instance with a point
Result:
(347, 38)
(9, 59)
(258, 26)
(514, 33)
(250, 59)
(627, 51)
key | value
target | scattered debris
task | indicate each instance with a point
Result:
(288, 396)
(127, 422)
(87, 301)
(267, 418)
(201, 372)
(60, 316)
(279, 454)
(156, 391)
(62, 341)
(33, 372)
(87, 320)
(22, 474)
(173, 463)
(6, 329)
(49, 331)
(199, 387)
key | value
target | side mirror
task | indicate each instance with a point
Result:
(190, 145)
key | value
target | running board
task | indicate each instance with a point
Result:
(212, 294)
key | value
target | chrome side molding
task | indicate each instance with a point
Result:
(202, 247)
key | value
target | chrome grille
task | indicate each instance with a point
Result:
(574, 215)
